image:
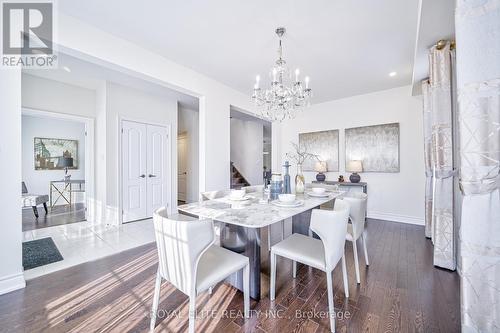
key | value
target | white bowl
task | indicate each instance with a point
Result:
(286, 197)
(237, 194)
(318, 190)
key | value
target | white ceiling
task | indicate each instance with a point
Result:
(90, 76)
(436, 21)
(347, 47)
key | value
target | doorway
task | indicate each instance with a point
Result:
(182, 163)
(250, 163)
(145, 169)
(188, 139)
(57, 164)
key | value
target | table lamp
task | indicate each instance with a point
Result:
(320, 168)
(354, 167)
(65, 162)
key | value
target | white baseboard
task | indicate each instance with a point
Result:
(396, 218)
(12, 282)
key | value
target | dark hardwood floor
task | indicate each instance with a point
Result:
(62, 214)
(401, 291)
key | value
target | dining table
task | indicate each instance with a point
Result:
(242, 222)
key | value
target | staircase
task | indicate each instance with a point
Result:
(237, 180)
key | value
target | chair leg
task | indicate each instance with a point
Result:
(273, 276)
(331, 308)
(192, 312)
(294, 268)
(344, 276)
(246, 290)
(269, 238)
(365, 250)
(35, 211)
(356, 262)
(156, 301)
(45, 207)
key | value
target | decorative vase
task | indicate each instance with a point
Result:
(355, 177)
(320, 177)
(300, 181)
(287, 188)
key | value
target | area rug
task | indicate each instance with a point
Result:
(40, 252)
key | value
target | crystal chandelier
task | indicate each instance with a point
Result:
(285, 97)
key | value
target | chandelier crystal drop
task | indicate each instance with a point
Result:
(285, 96)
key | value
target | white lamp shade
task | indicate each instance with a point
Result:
(320, 166)
(354, 166)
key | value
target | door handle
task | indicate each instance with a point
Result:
(142, 176)
(151, 176)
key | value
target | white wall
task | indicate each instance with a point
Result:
(392, 196)
(188, 122)
(38, 181)
(132, 104)
(82, 40)
(247, 146)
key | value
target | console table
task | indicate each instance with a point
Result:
(362, 185)
(64, 189)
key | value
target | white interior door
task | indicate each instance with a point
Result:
(134, 164)
(157, 190)
(182, 167)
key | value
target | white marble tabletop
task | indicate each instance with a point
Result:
(252, 213)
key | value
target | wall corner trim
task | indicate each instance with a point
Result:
(396, 218)
(12, 282)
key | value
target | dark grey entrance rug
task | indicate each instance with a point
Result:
(40, 252)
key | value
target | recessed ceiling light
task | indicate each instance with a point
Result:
(67, 69)
(391, 74)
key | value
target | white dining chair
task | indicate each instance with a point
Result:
(331, 188)
(323, 254)
(253, 188)
(328, 187)
(356, 229)
(188, 260)
(210, 195)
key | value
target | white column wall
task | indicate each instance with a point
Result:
(11, 269)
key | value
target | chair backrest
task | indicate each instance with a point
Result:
(357, 201)
(24, 189)
(180, 245)
(253, 189)
(214, 194)
(331, 227)
(325, 186)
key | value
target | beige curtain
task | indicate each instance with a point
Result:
(438, 102)
(478, 65)
(428, 157)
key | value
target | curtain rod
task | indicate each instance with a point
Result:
(442, 43)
